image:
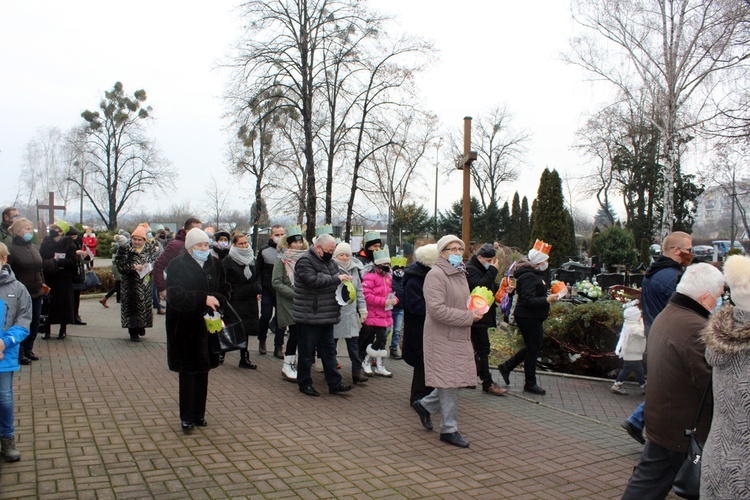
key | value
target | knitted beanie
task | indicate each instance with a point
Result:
(194, 236)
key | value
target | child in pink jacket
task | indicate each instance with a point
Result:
(380, 299)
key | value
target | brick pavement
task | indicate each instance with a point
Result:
(97, 417)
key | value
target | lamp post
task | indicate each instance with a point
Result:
(437, 163)
(80, 217)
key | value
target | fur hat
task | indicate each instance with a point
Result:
(139, 231)
(447, 240)
(382, 257)
(194, 236)
(737, 274)
(426, 254)
(342, 247)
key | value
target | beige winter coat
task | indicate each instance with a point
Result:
(448, 354)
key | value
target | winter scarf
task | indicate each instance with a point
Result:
(289, 259)
(243, 257)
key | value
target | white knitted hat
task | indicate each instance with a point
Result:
(195, 235)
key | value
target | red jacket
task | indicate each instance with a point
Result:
(90, 242)
(376, 289)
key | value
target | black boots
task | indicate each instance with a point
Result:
(278, 352)
(245, 360)
(504, 372)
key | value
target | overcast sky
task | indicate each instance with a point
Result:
(58, 58)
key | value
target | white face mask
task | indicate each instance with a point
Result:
(543, 266)
(276, 239)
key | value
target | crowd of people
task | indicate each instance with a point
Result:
(311, 294)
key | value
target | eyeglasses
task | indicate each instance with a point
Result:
(455, 250)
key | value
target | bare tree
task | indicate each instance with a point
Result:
(216, 199)
(47, 163)
(120, 161)
(500, 154)
(671, 49)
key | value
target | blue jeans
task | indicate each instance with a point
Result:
(352, 347)
(398, 323)
(636, 418)
(308, 338)
(6, 404)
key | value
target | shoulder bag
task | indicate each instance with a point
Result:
(687, 482)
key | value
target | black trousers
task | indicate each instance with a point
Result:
(654, 474)
(419, 387)
(193, 394)
(480, 340)
(375, 335)
(532, 333)
(291, 342)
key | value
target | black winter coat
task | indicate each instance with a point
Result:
(190, 348)
(315, 285)
(245, 292)
(414, 314)
(477, 275)
(532, 293)
(26, 262)
(265, 261)
(60, 263)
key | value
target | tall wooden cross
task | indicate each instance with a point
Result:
(465, 164)
(51, 207)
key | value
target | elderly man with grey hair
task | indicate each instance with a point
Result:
(678, 376)
(315, 311)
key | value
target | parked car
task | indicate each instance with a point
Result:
(723, 247)
(703, 253)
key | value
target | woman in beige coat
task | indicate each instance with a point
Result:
(448, 353)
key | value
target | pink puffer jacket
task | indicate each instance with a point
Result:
(376, 289)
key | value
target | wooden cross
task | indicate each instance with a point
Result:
(51, 207)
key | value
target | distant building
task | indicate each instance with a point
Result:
(715, 204)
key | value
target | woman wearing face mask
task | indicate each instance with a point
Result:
(220, 248)
(448, 355)
(26, 263)
(380, 299)
(242, 275)
(353, 313)
(532, 308)
(135, 261)
(196, 284)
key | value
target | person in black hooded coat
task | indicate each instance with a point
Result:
(196, 284)
(60, 263)
(414, 317)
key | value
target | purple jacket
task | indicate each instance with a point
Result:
(173, 250)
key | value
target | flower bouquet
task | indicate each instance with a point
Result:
(589, 289)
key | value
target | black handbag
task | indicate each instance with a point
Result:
(79, 273)
(687, 482)
(232, 336)
(91, 280)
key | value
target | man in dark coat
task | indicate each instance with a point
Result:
(659, 283)
(315, 311)
(172, 250)
(482, 270)
(678, 375)
(60, 263)
(266, 259)
(10, 214)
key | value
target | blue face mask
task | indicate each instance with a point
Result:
(149, 235)
(719, 302)
(486, 265)
(201, 255)
(455, 259)
(28, 236)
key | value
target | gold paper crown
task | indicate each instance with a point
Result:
(541, 246)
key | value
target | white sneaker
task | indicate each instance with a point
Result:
(289, 372)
